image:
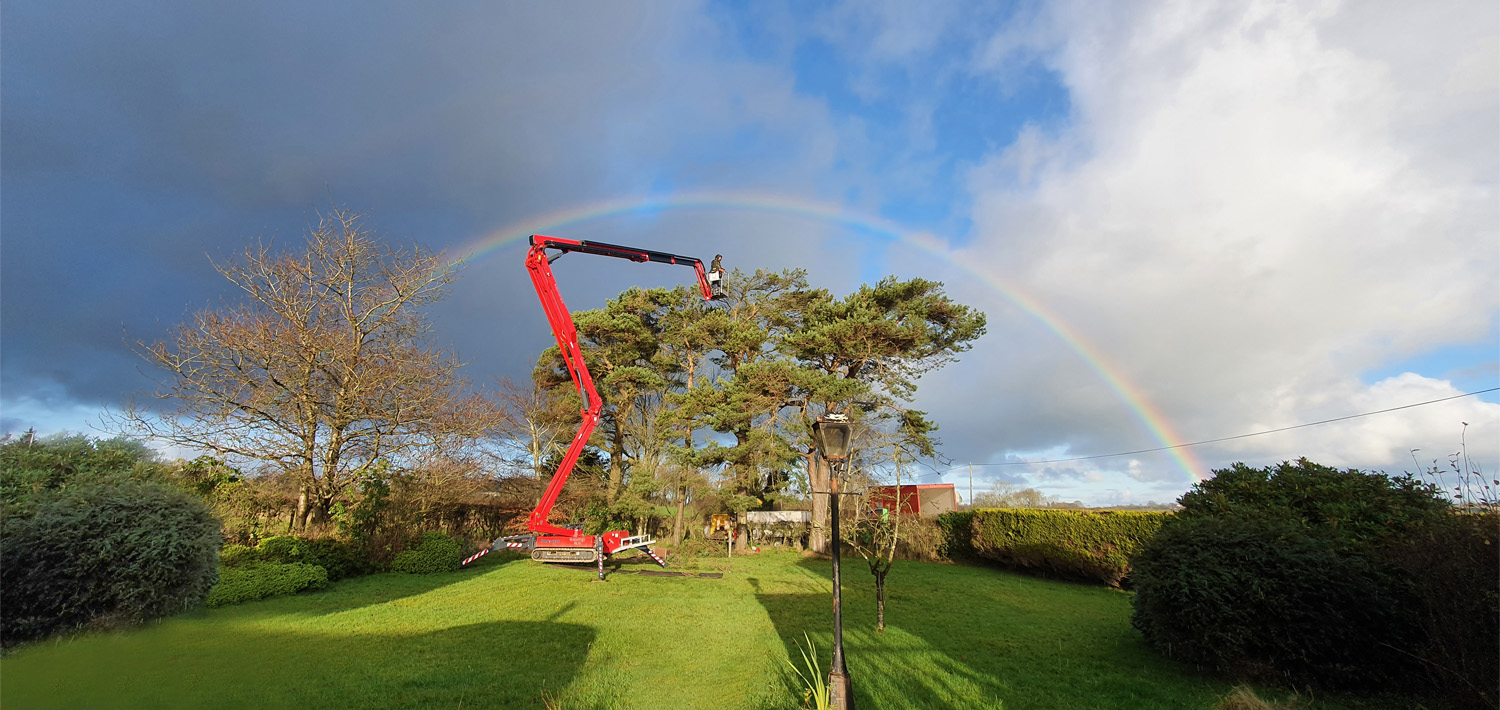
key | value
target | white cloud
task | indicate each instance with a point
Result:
(1252, 205)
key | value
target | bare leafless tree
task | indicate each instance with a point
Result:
(321, 369)
(534, 423)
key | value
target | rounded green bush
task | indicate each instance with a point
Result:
(101, 555)
(237, 555)
(436, 553)
(1261, 598)
(260, 580)
(341, 559)
(282, 548)
(1280, 573)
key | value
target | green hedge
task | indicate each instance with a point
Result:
(957, 530)
(436, 553)
(259, 580)
(1082, 544)
(1451, 566)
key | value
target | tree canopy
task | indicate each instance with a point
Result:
(750, 377)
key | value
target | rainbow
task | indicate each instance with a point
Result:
(1130, 394)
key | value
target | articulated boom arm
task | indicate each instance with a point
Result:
(539, 264)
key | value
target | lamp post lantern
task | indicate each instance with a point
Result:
(831, 432)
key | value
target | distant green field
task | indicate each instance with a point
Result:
(513, 633)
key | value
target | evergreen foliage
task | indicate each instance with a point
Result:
(1346, 507)
(1451, 567)
(1264, 598)
(238, 556)
(757, 371)
(34, 467)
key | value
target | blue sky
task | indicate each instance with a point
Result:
(1255, 214)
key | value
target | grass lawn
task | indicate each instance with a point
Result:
(512, 633)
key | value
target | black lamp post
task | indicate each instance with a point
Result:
(832, 435)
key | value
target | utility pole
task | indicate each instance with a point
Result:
(971, 485)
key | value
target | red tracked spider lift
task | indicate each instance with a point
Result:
(567, 543)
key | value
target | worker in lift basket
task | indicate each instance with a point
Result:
(716, 273)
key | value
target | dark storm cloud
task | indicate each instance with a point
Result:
(143, 140)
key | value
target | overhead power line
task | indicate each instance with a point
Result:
(1241, 436)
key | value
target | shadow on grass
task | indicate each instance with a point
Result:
(906, 666)
(959, 637)
(371, 590)
(487, 665)
(881, 668)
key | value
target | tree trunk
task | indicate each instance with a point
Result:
(817, 481)
(880, 601)
(321, 513)
(678, 489)
(299, 519)
(309, 520)
(681, 503)
(616, 470)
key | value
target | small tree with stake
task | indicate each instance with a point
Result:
(874, 536)
(876, 533)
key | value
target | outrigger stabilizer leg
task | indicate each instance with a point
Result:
(512, 542)
(599, 552)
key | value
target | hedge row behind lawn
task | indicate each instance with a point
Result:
(1080, 544)
(957, 533)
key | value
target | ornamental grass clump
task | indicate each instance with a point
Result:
(812, 680)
